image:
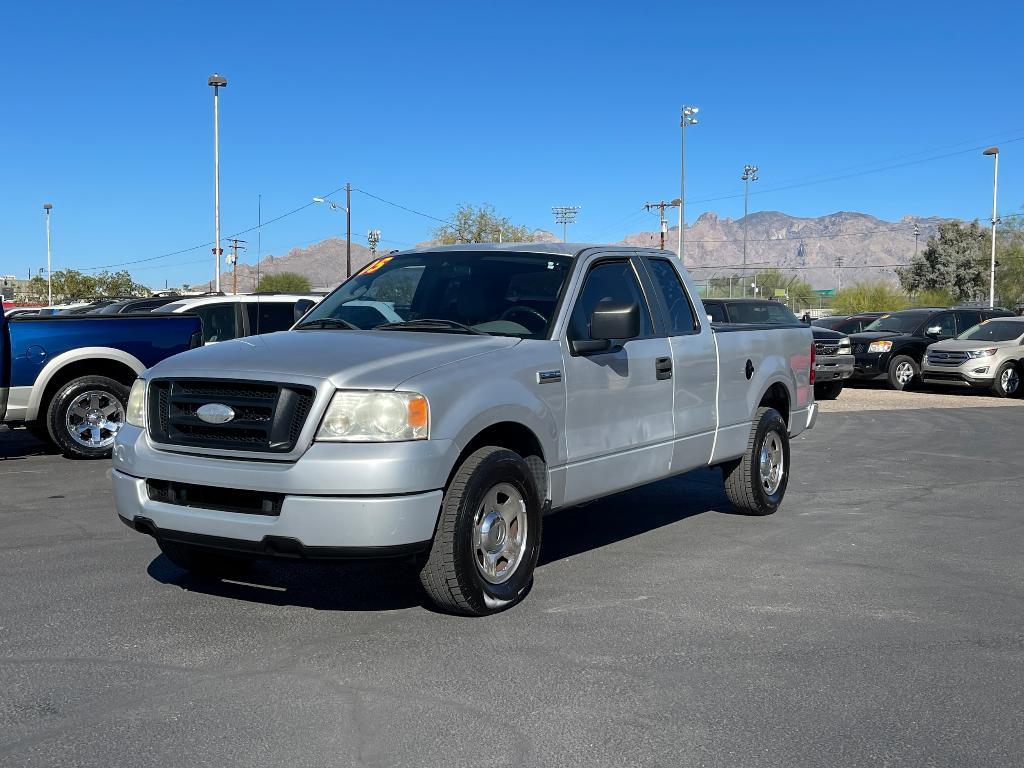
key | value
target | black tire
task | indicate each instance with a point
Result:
(1011, 387)
(743, 479)
(828, 390)
(897, 368)
(203, 562)
(110, 395)
(451, 576)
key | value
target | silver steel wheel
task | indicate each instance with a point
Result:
(1010, 381)
(499, 533)
(94, 418)
(773, 463)
(904, 373)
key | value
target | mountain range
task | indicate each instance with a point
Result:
(826, 251)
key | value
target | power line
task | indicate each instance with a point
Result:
(402, 207)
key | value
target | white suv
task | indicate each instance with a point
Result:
(244, 314)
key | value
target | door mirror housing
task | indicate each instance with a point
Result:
(610, 322)
(935, 331)
(302, 306)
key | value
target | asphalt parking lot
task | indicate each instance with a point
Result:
(877, 619)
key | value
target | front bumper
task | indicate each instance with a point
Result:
(873, 366)
(961, 376)
(338, 499)
(833, 368)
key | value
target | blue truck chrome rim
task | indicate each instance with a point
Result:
(94, 418)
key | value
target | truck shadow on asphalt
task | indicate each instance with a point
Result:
(19, 444)
(392, 585)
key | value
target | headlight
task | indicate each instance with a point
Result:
(976, 353)
(844, 346)
(375, 417)
(136, 411)
(879, 346)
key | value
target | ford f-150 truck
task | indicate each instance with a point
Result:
(66, 377)
(517, 379)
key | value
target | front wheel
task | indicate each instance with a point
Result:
(488, 536)
(85, 416)
(1007, 381)
(756, 483)
(903, 372)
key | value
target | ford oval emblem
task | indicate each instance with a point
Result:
(215, 413)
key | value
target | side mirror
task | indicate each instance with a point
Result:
(302, 306)
(935, 330)
(610, 321)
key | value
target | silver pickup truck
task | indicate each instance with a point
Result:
(515, 380)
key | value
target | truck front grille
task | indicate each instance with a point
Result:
(266, 417)
(830, 347)
(860, 349)
(220, 499)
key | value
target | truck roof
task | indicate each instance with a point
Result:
(556, 249)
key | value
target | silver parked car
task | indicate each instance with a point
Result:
(988, 356)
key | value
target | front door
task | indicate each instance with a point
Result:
(619, 425)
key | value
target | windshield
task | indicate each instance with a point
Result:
(994, 330)
(896, 323)
(503, 294)
(768, 312)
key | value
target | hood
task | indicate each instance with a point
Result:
(350, 359)
(870, 336)
(953, 345)
(822, 334)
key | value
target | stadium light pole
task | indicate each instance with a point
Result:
(685, 119)
(47, 207)
(994, 152)
(749, 175)
(216, 82)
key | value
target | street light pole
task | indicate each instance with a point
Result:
(749, 175)
(49, 271)
(686, 118)
(348, 225)
(994, 152)
(216, 82)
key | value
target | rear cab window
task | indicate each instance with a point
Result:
(679, 311)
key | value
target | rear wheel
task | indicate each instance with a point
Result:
(903, 372)
(756, 483)
(203, 562)
(488, 536)
(85, 415)
(828, 390)
(1007, 381)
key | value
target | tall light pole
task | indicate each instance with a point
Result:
(565, 215)
(348, 226)
(749, 175)
(994, 152)
(49, 272)
(216, 82)
(685, 119)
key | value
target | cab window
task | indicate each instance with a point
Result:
(270, 316)
(220, 322)
(611, 281)
(716, 312)
(945, 323)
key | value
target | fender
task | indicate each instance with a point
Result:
(73, 356)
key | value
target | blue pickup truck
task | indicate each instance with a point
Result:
(66, 377)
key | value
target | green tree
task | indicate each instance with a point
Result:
(951, 261)
(472, 224)
(119, 284)
(798, 293)
(1010, 262)
(879, 296)
(284, 282)
(72, 284)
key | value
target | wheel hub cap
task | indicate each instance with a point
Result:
(772, 463)
(94, 418)
(499, 533)
(1010, 381)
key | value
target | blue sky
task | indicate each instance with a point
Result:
(106, 113)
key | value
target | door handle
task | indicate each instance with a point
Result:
(663, 367)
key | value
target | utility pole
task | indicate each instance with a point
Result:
(993, 152)
(216, 82)
(348, 230)
(565, 215)
(839, 273)
(372, 238)
(686, 118)
(49, 266)
(236, 245)
(661, 206)
(749, 175)
(917, 234)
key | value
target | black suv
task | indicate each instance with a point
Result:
(892, 347)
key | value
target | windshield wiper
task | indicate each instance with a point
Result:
(329, 322)
(429, 324)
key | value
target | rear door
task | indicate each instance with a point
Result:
(694, 366)
(619, 425)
